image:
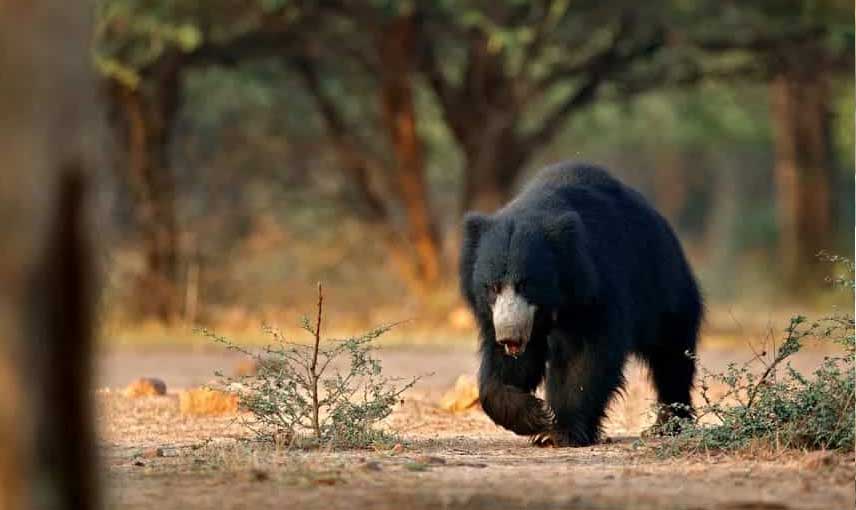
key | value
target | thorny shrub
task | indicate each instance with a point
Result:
(767, 401)
(300, 396)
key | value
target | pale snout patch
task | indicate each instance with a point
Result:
(513, 319)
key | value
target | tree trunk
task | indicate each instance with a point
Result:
(803, 170)
(47, 279)
(670, 184)
(396, 46)
(491, 172)
(148, 120)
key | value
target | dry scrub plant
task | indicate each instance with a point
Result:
(299, 395)
(768, 402)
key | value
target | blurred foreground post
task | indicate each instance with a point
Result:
(47, 449)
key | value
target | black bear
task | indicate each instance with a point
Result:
(569, 278)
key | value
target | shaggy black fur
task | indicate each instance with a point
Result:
(609, 279)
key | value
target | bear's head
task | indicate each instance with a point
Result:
(517, 273)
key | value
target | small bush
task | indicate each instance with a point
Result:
(299, 396)
(768, 402)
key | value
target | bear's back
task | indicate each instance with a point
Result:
(613, 214)
(569, 173)
(546, 189)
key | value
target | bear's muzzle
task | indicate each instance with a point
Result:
(513, 319)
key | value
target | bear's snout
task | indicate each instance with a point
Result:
(513, 318)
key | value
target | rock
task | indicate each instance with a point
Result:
(819, 460)
(207, 402)
(145, 387)
(398, 448)
(151, 453)
(463, 396)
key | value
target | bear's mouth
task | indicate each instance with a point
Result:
(513, 347)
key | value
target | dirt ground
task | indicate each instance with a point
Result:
(153, 457)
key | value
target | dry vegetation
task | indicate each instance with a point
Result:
(297, 395)
(453, 459)
(771, 434)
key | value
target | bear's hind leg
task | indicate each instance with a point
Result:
(672, 374)
(673, 366)
(581, 380)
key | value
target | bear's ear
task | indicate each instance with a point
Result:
(475, 224)
(567, 234)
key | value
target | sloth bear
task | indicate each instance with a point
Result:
(569, 278)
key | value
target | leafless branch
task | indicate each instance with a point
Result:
(356, 161)
(316, 427)
(596, 70)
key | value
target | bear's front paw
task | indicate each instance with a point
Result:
(543, 440)
(561, 439)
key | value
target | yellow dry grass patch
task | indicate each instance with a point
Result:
(207, 402)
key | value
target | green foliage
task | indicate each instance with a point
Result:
(316, 395)
(132, 36)
(777, 405)
(702, 118)
(846, 279)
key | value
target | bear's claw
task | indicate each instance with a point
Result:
(556, 439)
(544, 440)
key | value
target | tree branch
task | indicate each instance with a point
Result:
(640, 85)
(545, 24)
(355, 161)
(448, 97)
(758, 42)
(597, 70)
(584, 95)
(244, 47)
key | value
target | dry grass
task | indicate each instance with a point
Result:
(207, 402)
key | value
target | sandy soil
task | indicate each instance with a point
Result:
(154, 457)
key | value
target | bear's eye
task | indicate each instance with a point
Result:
(493, 290)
